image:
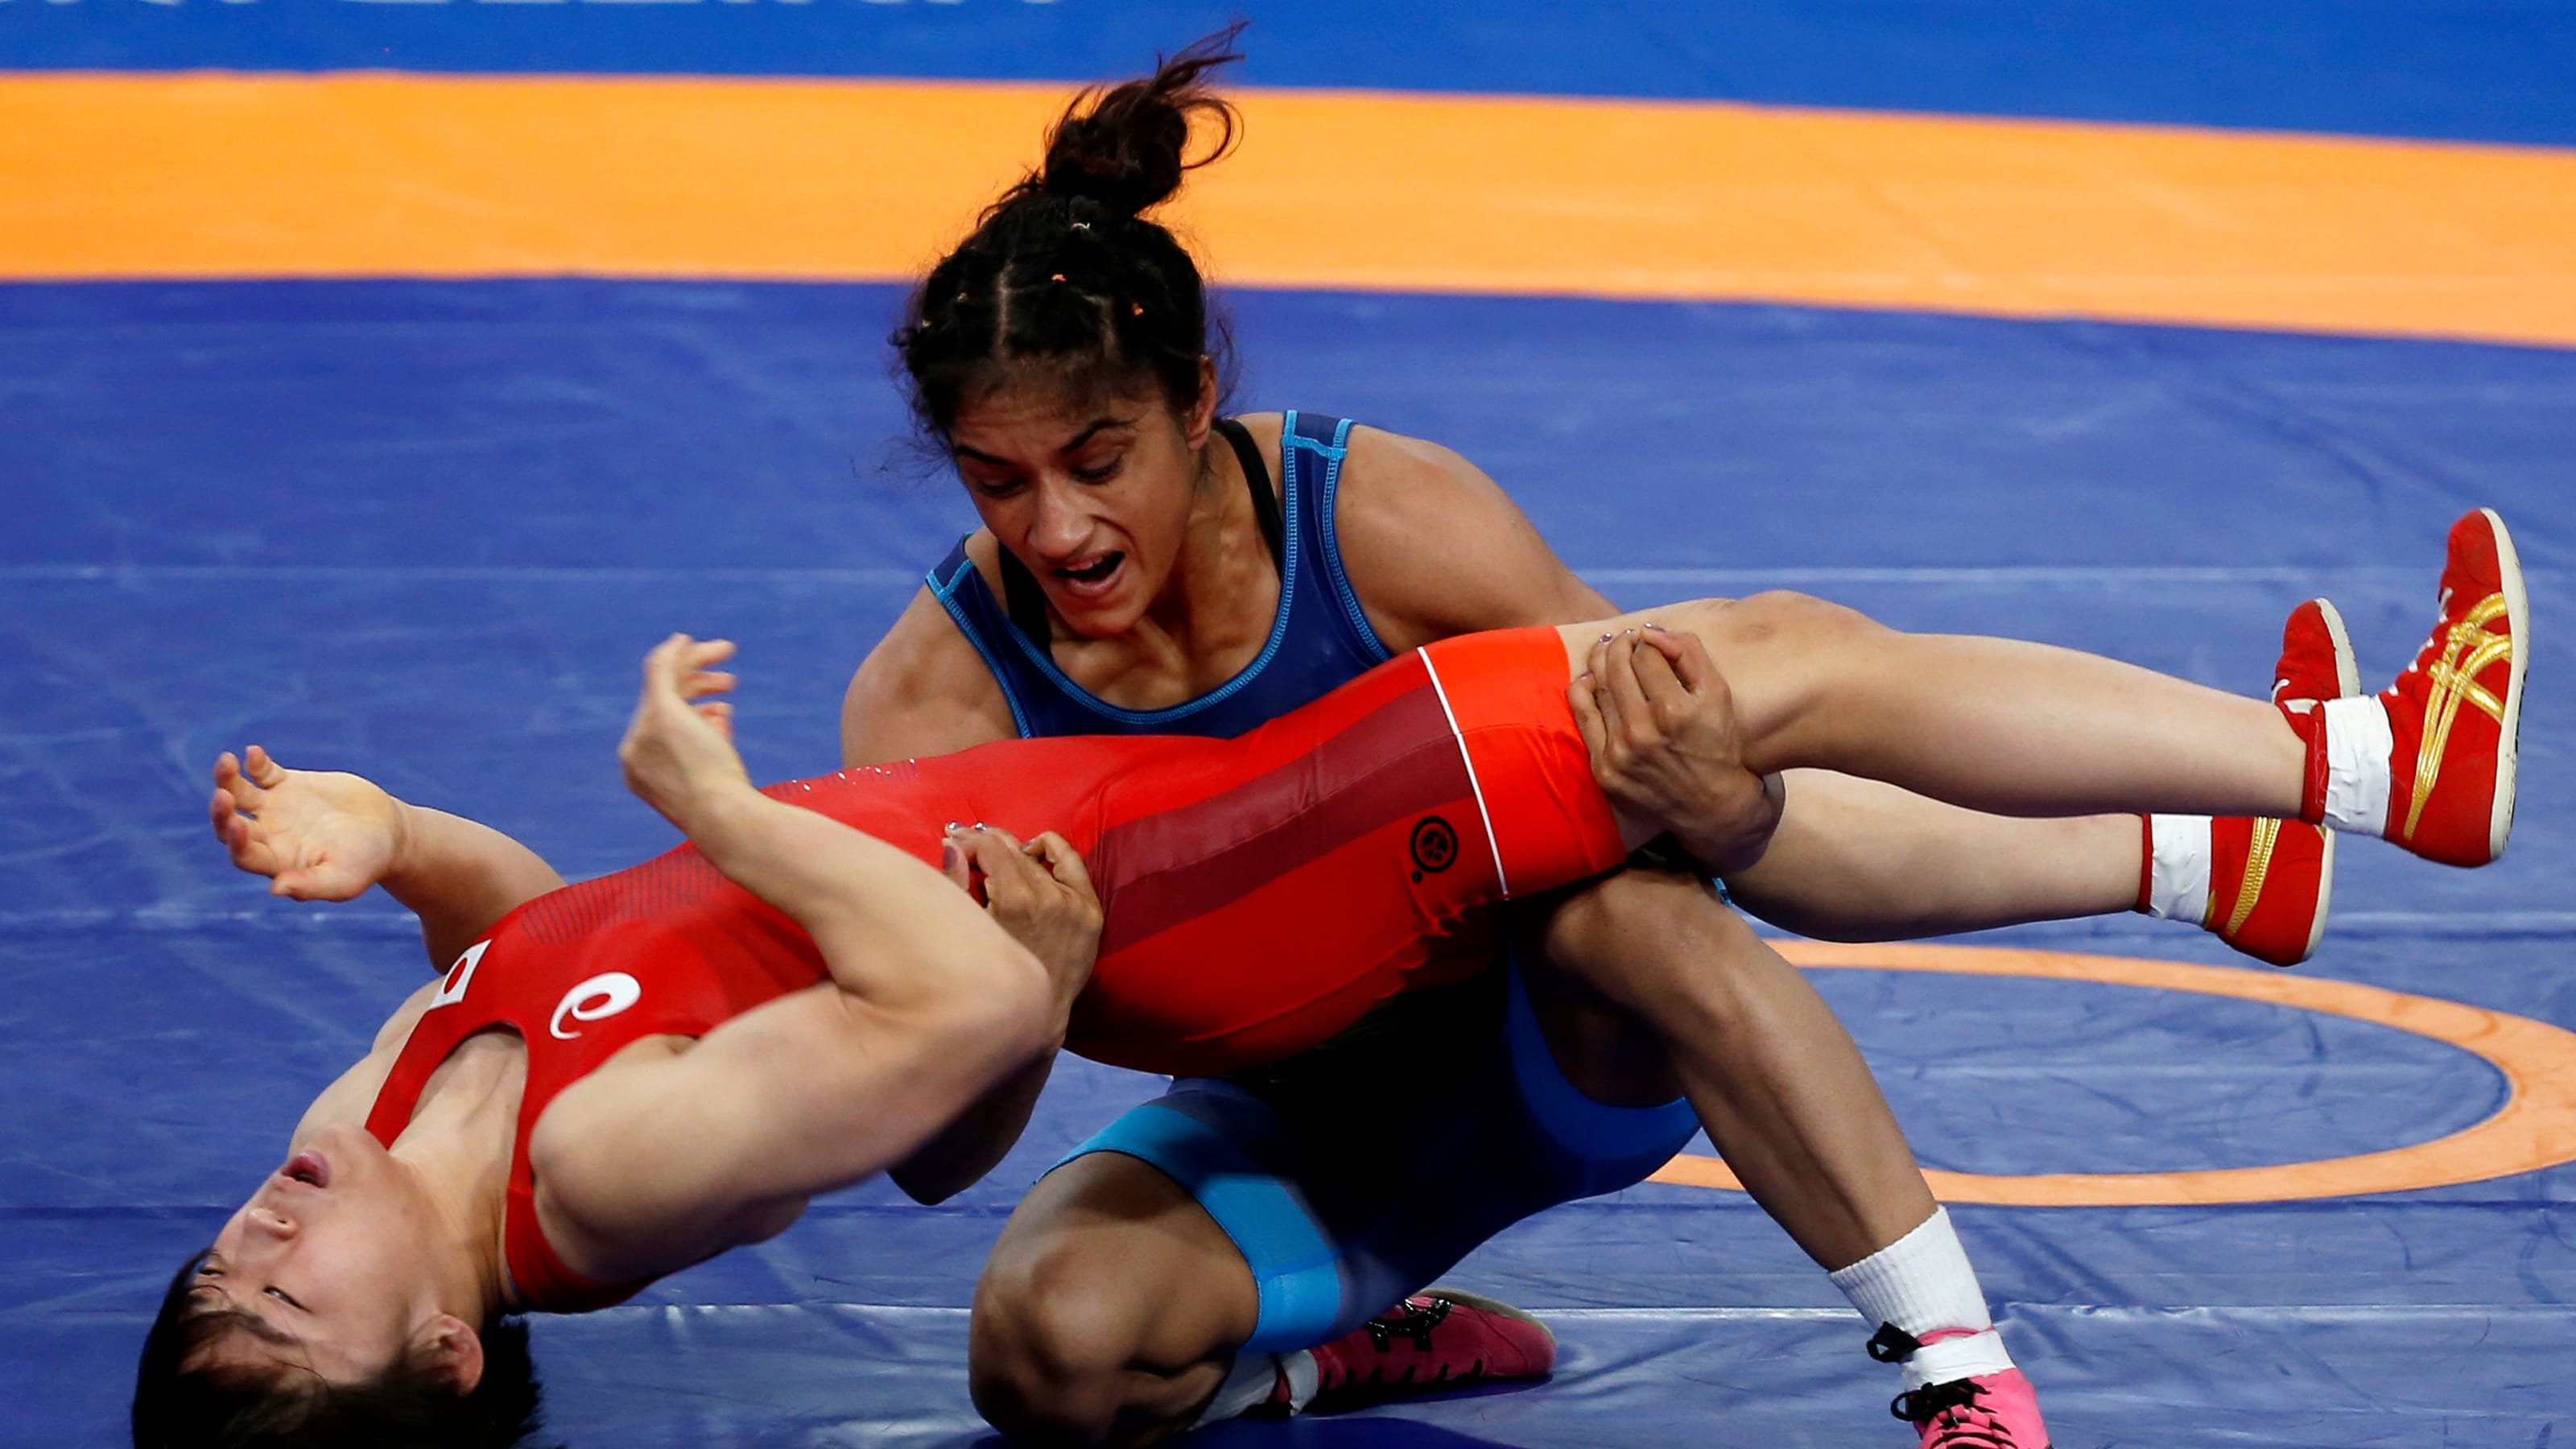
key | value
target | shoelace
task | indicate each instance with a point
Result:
(1410, 1322)
(1954, 1404)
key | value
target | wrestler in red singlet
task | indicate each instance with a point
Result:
(1321, 859)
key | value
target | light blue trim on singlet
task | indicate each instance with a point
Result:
(946, 593)
(1327, 494)
(1291, 504)
(1295, 1261)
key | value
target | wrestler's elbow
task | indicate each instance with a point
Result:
(1002, 1000)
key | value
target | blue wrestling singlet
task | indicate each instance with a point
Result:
(1350, 1176)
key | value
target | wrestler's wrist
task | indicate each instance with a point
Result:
(404, 837)
(1735, 837)
(715, 813)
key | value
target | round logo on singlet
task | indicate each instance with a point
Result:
(1435, 846)
(600, 997)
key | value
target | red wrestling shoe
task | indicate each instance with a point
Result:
(1439, 1339)
(2455, 713)
(2316, 656)
(2270, 880)
(2269, 884)
(2262, 886)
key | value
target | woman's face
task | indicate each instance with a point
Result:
(324, 1262)
(1094, 497)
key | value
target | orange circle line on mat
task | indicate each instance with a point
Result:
(2534, 1129)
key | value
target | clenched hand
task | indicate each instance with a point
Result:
(1040, 892)
(1660, 723)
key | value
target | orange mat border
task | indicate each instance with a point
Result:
(358, 174)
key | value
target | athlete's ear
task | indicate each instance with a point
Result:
(449, 1350)
(1202, 416)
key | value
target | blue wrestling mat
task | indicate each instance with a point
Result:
(424, 529)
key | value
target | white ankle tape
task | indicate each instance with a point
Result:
(2358, 744)
(1953, 1359)
(2178, 872)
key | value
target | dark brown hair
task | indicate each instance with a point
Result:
(176, 1407)
(1065, 273)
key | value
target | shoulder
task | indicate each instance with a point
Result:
(924, 690)
(1265, 430)
(397, 1028)
(353, 1095)
(1434, 547)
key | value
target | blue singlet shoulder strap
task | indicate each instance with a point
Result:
(1311, 453)
(960, 590)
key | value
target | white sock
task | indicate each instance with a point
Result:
(1922, 1283)
(2358, 744)
(2178, 868)
(1254, 1381)
(1303, 1378)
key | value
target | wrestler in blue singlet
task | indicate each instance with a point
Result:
(1348, 1177)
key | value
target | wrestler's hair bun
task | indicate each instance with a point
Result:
(1127, 147)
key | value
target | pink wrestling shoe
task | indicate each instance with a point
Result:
(1989, 1411)
(1438, 1339)
(2270, 880)
(2451, 769)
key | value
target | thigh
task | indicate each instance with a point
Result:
(1607, 1052)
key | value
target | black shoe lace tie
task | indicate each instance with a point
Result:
(1408, 1321)
(1969, 1426)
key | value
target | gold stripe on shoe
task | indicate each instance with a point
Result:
(2454, 678)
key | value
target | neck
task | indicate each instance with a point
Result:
(1215, 582)
(457, 1149)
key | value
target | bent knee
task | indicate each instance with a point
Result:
(1781, 616)
(1638, 930)
(1051, 1336)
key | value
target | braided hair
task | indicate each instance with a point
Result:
(1065, 274)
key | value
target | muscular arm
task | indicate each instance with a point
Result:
(930, 1005)
(922, 691)
(1493, 571)
(1489, 568)
(660, 1162)
(459, 877)
(962, 1152)
(321, 835)
(925, 691)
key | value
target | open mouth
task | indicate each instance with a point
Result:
(309, 1168)
(1093, 577)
